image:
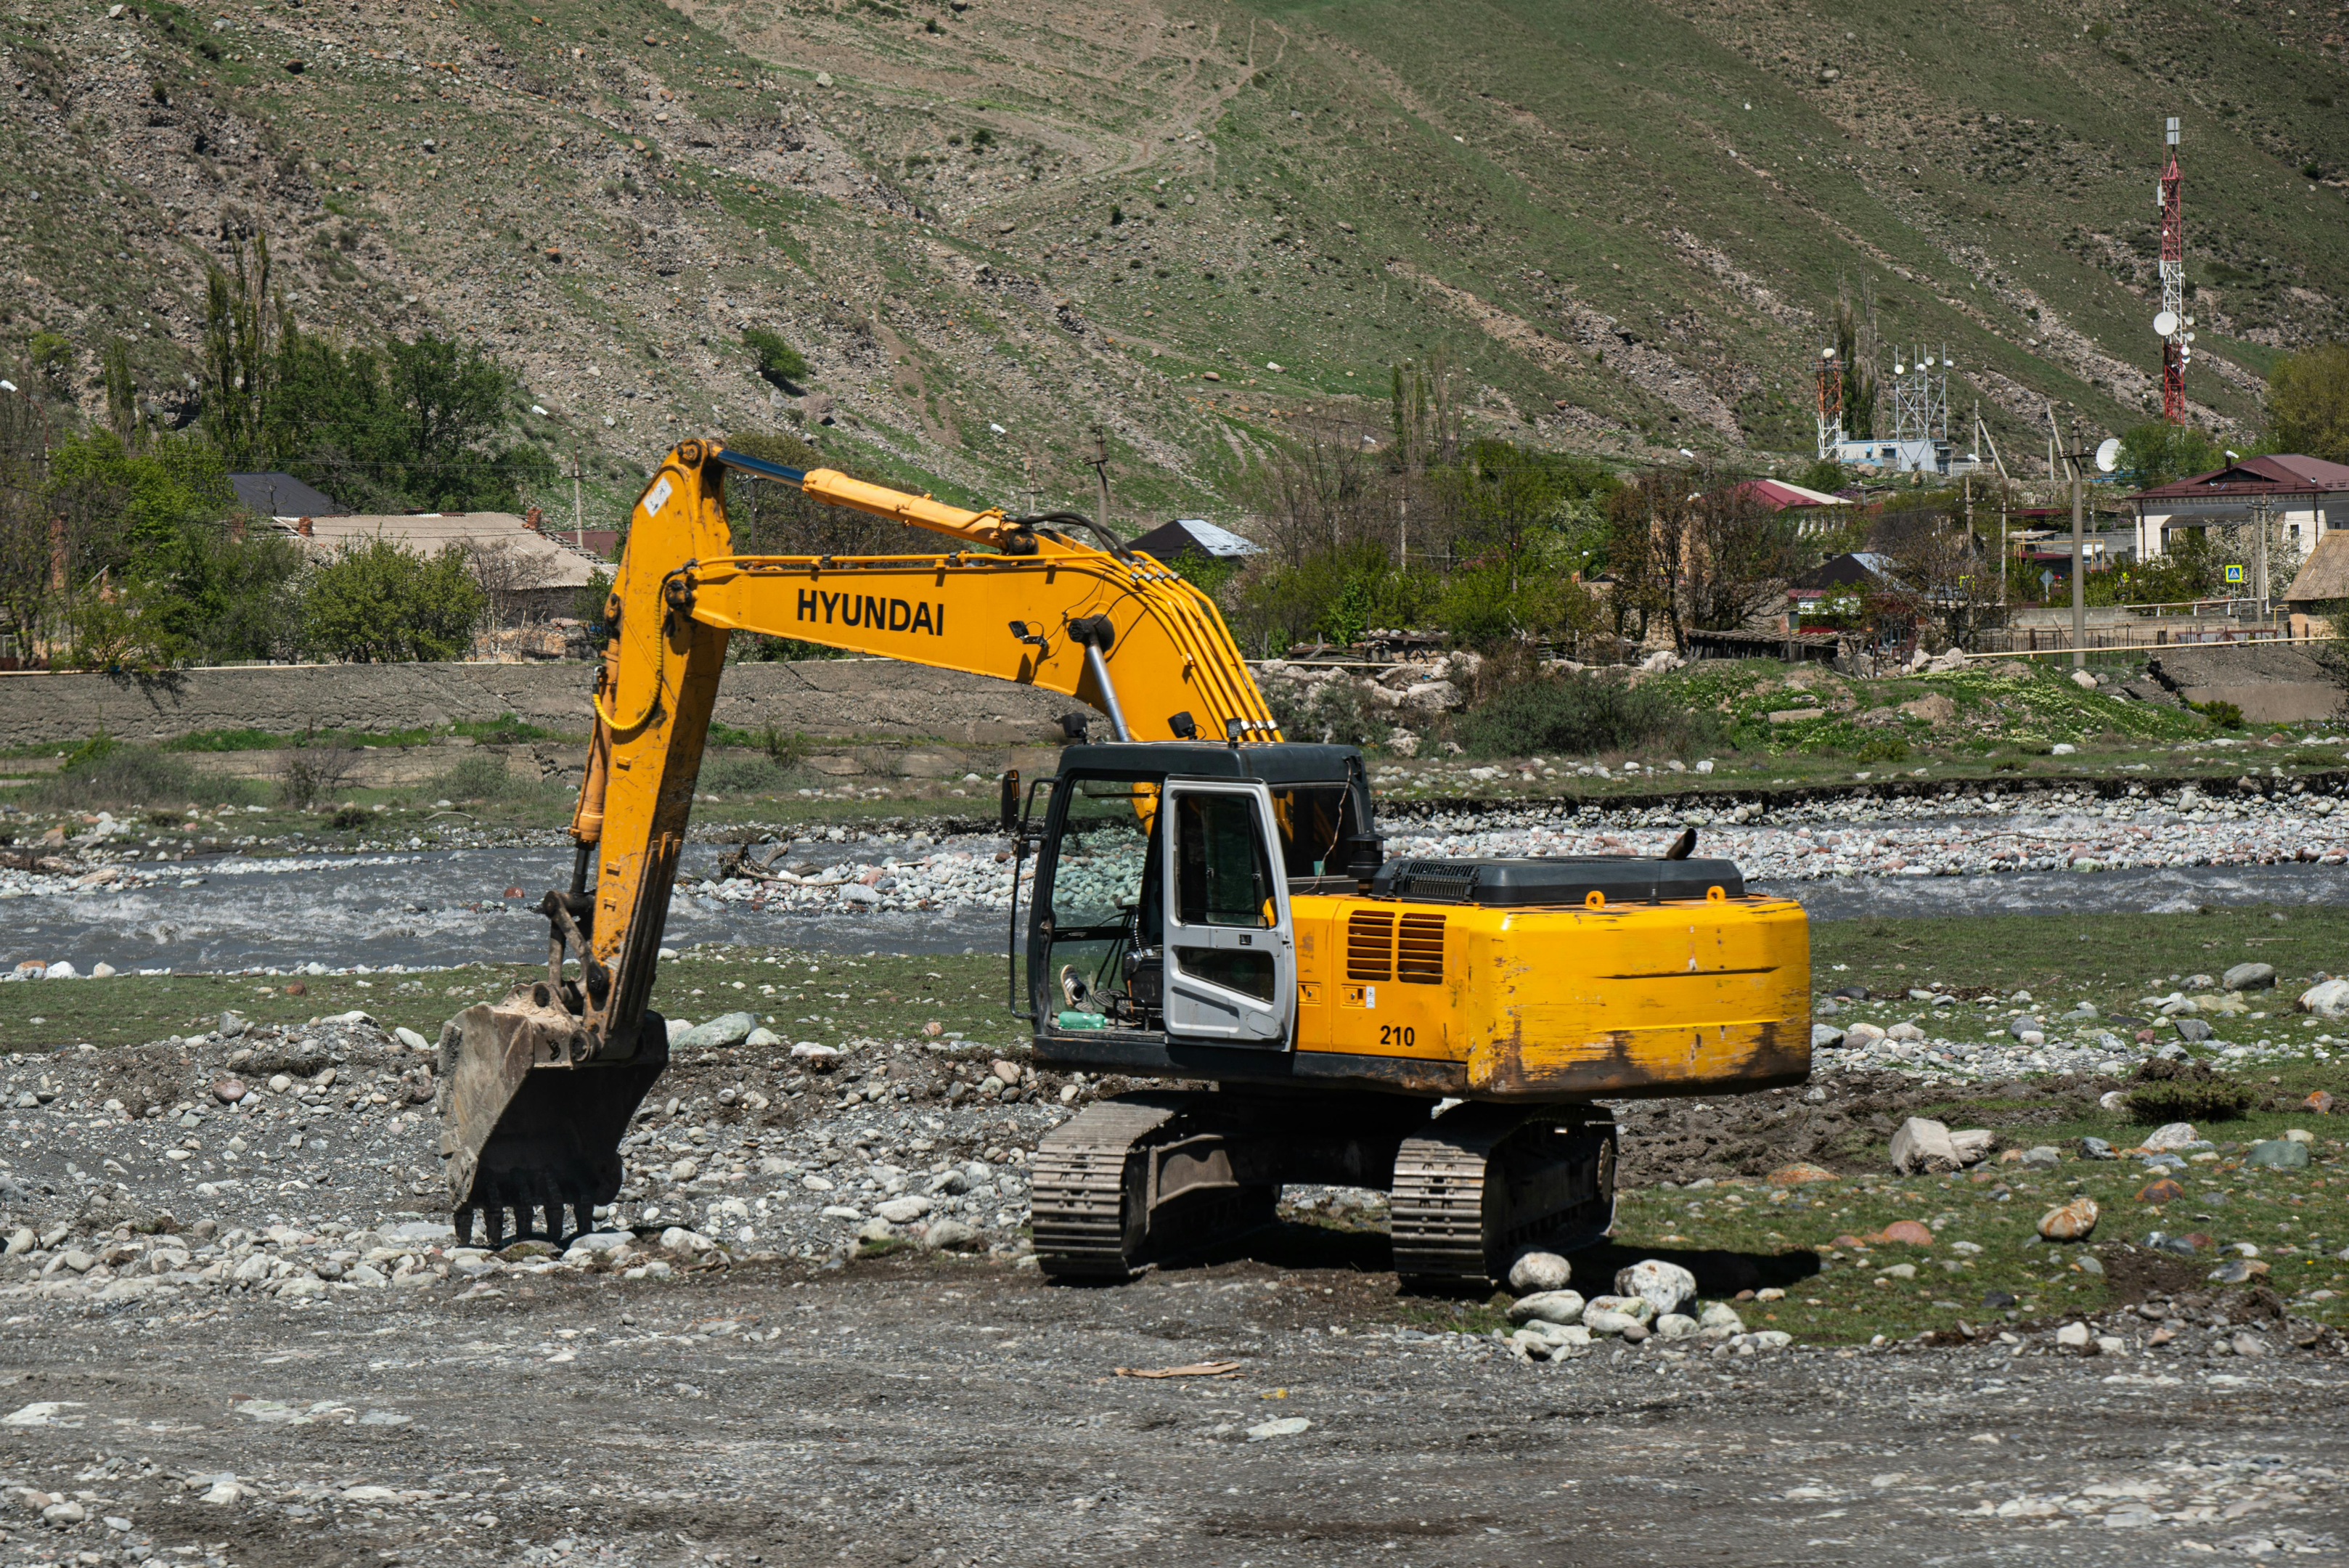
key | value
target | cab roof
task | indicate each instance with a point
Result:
(1279, 762)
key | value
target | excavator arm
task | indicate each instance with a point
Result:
(536, 1091)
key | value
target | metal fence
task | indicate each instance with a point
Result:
(2145, 633)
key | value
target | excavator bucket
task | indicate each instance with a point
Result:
(531, 1125)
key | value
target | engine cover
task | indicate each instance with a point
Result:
(1617, 879)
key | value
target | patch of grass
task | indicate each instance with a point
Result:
(889, 996)
(503, 730)
(2296, 1218)
(739, 772)
(482, 777)
(1583, 714)
(118, 775)
(2110, 960)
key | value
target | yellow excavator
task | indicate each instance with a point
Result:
(1210, 905)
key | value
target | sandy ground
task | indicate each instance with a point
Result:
(935, 1412)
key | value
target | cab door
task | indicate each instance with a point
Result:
(1231, 957)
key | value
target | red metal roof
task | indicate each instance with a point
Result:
(2281, 474)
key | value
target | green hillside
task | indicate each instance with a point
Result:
(992, 224)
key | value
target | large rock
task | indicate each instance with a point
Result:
(1923, 1146)
(1666, 1287)
(1973, 1145)
(2176, 1135)
(1430, 698)
(2072, 1221)
(2248, 977)
(2023, 1024)
(1547, 1306)
(1617, 1315)
(727, 1030)
(948, 1236)
(1536, 1272)
(2326, 999)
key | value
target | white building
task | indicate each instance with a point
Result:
(2304, 497)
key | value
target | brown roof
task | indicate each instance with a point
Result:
(2325, 574)
(2279, 474)
(549, 563)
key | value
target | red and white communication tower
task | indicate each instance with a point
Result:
(1830, 378)
(2173, 325)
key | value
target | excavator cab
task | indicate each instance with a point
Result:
(1161, 904)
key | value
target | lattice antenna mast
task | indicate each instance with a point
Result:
(1830, 380)
(2173, 325)
(1912, 396)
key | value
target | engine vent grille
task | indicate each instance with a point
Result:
(1435, 881)
(1419, 951)
(1369, 946)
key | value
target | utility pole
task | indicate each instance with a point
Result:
(2259, 556)
(2002, 543)
(2079, 563)
(2073, 459)
(578, 506)
(1100, 461)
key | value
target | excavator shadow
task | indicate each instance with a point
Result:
(1291, 1244)
(1720, 1273)
(1284, 1245)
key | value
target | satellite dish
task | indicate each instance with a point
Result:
(1826, 353)
(1899, 369)
(2108, 456)
(2165, 324)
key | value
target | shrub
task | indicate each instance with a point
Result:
(1580, 714)
(353, 817)
(2185, 1090)
(786, 752)
(778, 360)
(1335, 713)
(1882, 749)
(740, 774)
(479, 777)
(2226, 715)
(314, 770)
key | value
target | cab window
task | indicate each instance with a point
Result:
(1222, 876)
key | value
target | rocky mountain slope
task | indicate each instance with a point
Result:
(994, 224)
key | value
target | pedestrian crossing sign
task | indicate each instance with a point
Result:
(2234, 573)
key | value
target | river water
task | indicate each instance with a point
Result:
(441, 908)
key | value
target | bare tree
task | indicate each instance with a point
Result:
(1698, 549)
(1950, 575)
(1323, 493)
(1740, 556)
(509, 578)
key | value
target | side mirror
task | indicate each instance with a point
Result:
(1010, 808)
